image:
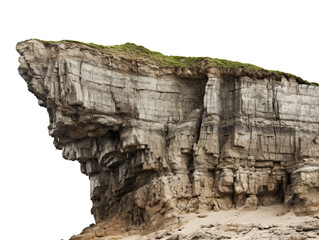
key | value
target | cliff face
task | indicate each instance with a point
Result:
(158, 141)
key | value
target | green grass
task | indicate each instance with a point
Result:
(140, 53)
(311, 83)
(72, 41)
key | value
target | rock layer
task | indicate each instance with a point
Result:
(157, 141)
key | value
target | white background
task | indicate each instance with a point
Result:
(43, 196)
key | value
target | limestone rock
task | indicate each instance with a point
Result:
(156, 141)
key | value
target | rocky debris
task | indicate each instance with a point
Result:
(230, 231)
(157, 141)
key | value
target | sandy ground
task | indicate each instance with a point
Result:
(264, 216)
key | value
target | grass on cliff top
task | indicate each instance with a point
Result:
(133, 51)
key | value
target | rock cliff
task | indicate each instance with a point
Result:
(159, 139)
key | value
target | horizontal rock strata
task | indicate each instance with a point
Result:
(156, 141)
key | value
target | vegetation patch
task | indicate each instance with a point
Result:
(133, 51)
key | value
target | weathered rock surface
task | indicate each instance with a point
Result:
(263, 223)
(158, 141)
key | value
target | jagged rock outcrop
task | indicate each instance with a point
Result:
(158, 140)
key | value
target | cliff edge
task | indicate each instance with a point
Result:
(160, 136)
